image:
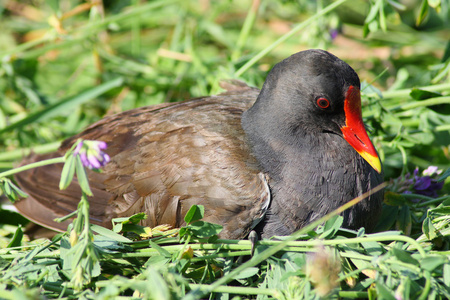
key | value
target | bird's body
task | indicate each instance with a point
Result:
(285, 154)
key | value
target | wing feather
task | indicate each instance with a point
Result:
(164, 159)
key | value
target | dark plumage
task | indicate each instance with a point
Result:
(289, 153)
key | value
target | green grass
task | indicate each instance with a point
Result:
(62, 69)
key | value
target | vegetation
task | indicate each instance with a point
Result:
(66, 64)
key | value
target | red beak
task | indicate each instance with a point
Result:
(354, 131)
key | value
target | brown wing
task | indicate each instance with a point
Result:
(163, 160)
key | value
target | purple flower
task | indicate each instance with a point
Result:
(422, 183)
(431, 170)
(91, 153)
(425, 184)
(334, 33)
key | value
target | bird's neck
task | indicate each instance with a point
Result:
(311, 174)
(279, 148)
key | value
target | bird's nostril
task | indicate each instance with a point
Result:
(357, 137)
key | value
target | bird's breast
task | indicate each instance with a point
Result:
(317, 176)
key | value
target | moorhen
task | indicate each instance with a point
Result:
(296, 153)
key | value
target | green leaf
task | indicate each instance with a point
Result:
(105, 245)
(183, 231)
(446, 275)
(386, 233)
(430, 263)
(53, 4)
(387, 219)
(249, 272)
(423, 12)
(374, 11)
(17, 190)
(130, 227)
(429, 230)
(213, 239)
(156, 286)
(110, 234)
(394, 199)
(366, 30)
(404, 220)
(93, 264)
(136, 218)
(331, 227)
(393, 121)
(121, 220)
(129, 223)
(372, 248)
(359, 263)
(77, 252)
(443, 209)
(383, 291)
(64, 105)
(445, 175)
(404, 289)
(404, 256)
(425, 138)
(419, 94)
(382, 18)
(160, 249)
(372, 292)
(83, 181)
(16, 240)
(64, 254)
(157, 261)
(203, 229)
(11, 191)
(369, 89)
(67, 172)
(117, 227)
(434, 3)
(7, 187)
(196, 212)
(445, 203)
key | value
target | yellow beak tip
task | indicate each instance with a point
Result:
(374, 161)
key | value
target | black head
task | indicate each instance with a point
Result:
(306, 95)
(306, 90)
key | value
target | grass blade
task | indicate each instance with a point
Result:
(65, 105)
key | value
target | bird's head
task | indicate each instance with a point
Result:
(314, 91)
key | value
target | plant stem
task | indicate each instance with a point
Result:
(21, 152)
(237, 290)
(442, 128)
(399, 108)
(57, 288)
(423, 103)
(406, 92)
(285, 37)
(246, 27)
(221, 254)
(404, 159)
(136, 33)
(426, 289)
(33, 165)
(427, 203)
(353, 294)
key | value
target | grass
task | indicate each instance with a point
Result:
(66, 64)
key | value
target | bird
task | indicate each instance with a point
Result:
(270, 160)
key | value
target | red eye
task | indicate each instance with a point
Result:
(323, 103)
